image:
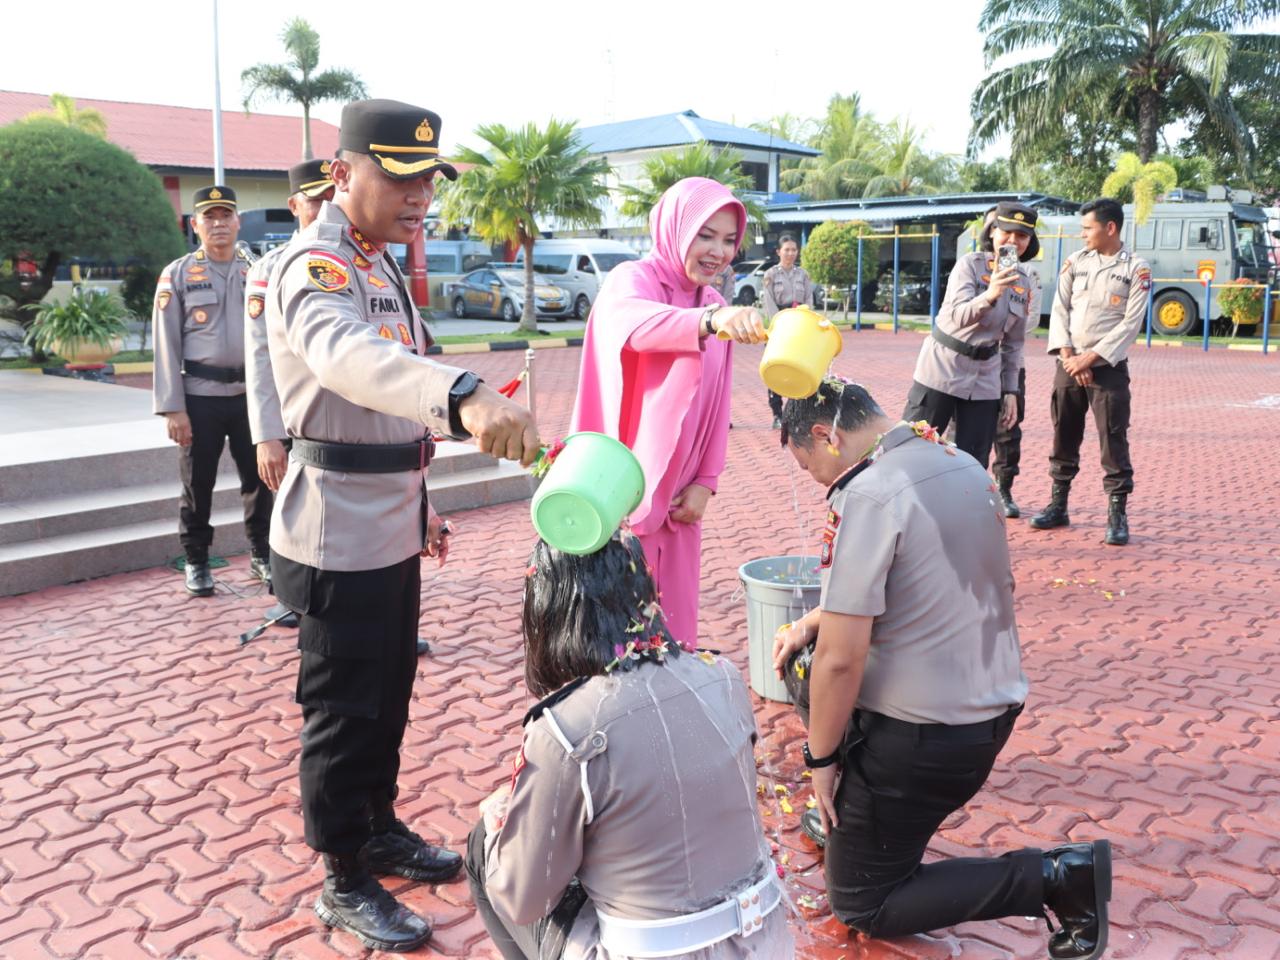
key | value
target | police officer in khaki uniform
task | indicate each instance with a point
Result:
(199, 383)
(968, 367)
(360, 400)
(908, 677)
(785, 285)
(1098, 313)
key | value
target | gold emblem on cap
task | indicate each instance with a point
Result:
(215, 194)
(424, 133)
(1019, 215)
(324, 167)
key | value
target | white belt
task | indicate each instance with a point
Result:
(740, 915)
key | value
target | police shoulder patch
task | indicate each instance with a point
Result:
(328, 272)
(162, 298)
(255, 305)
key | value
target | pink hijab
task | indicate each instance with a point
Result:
(614, 378)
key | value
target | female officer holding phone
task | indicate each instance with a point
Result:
(968, 367)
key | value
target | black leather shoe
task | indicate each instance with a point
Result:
(1117, 520)
(811, 824)
(1055, 514)
(400, 851)
(423, 646)
(1077, 886)
(1006, 497)
(199, 581)
(355, 902)
(260, 569)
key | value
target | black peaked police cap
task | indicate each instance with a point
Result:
(403, 139)
(207, 197)
(310, 177)
(1015, 218)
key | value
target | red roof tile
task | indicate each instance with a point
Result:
(164, 136)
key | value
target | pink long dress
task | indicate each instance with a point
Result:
(649, 379)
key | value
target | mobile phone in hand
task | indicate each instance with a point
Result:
(1008, 256)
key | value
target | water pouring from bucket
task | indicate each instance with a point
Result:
(591, 482)
(802, 344)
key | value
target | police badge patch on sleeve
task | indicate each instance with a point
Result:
(255, 306)
(162, 299)
(327, 272)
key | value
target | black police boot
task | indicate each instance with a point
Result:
(1117, 520)
(260, 567)
(1055, 514)
(394, 848)
(355, 902)
(811, 824)
(1006, 497)
(423, 646)
(199, 581)
(1077, 886)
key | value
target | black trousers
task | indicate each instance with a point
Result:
(543, 939)
(899, 782)
(357, 632)
(214, 419)
(1009, 442)
(1108, 397)
(775, 403)
(976, 420)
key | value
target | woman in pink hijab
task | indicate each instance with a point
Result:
(656, 376)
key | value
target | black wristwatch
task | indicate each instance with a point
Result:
(813, 763)
(463, 387)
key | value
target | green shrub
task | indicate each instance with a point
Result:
(88, 315)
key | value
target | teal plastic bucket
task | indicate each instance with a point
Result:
(591, 487)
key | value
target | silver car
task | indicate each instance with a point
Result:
(500, 293)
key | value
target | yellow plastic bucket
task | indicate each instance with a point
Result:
(801, 346)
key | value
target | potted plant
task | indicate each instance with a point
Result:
(1242, 301)
(87, 329)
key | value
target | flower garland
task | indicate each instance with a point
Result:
(546, 457)
(921, 428)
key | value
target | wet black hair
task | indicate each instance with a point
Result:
(851, 400)
(580, 611)
(1105, 210)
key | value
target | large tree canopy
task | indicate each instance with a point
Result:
(66, 193)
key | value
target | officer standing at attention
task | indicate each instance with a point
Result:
(360, 401)
(785, 285)
(909, 680)
(199, 383)
(1098, 313)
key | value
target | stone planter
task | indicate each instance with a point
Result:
(85, 353)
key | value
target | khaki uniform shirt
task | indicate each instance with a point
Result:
(786, 288)
(346, 346)
(198, 314)
(666, 821)
(1101, 304)
(967, 315)
(264, 403)
(916, 540)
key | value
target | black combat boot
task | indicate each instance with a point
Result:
(199, 581)
(355, 902)
(1077, 886)
(1055, 514)
(811, 824)
(260, 567)
(394, 848)
(1006, 497)
(1117, 521)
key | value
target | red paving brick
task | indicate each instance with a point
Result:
(148, 799)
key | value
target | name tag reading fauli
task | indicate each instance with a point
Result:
(385, 305)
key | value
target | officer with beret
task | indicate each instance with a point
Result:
(1098, 313)
(199, 383)
(968, 367)
(360, 402)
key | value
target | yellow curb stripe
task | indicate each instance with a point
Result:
(543, 344)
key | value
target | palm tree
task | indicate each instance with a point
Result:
(1141, 182)
(906, 168)
(526, 175)
(850, 141)
(1130, 58)
(698, 160)
(297, 81)
(63, 109)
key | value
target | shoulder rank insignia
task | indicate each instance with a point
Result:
(361, 261)
(255, 305)
(327, 272)
(362, 242)
(200, 254)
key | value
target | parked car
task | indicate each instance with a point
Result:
(748, 284)
(914, 281)
(578, 264)
(500, 293)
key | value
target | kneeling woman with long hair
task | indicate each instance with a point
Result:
(631, 826)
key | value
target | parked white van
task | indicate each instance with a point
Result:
(579, 265)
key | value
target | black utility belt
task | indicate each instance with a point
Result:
(977, 351)
(207, 371)
(364, 457)
(868, 721)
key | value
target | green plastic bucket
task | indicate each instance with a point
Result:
(593, 483)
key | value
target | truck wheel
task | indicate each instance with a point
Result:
(1174, 314)
(460, 308)
(581, 307)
